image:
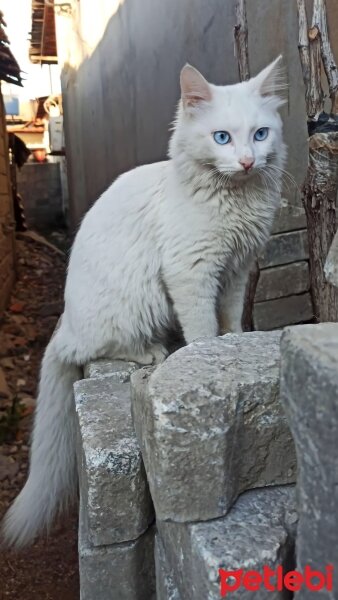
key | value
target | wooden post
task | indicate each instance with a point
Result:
(241, 40)
(241, 43)
(320, 187)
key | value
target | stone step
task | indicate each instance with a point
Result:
(118, 370)
(258, 533)
(210, 425)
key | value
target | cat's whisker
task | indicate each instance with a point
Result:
(272, 165)
(221, 175)
(270, 179)
(264, 181)
(283, 171)
(288, 180)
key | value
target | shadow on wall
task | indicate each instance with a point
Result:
(121, 100)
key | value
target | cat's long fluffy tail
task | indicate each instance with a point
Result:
(52, 480)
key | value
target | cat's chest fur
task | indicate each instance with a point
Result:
(245, 224)
(224, 230)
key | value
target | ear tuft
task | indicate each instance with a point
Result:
(272, 80)
(194, 87)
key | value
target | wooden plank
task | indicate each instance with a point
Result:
(278, 282)
(284, 248)
(42, 58)
(274, 314)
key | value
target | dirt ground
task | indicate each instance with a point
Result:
(48, 570)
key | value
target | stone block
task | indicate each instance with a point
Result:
(113, 484)
(285, 248)
(117, 370)
(118, 572)
(289, 218)
(273, 314)
(165, 579)
(210, 425)
(287, 280)
(309, 392)
(258, 532)
(331, 264)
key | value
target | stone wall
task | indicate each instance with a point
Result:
(209, 442)
(39, 184)
(7, 225)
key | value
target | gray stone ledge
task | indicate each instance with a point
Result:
(166, 588)
(258, 531)
(118, 572)
(113, 485)
(118, 370)
(215, 428)
(309, 392)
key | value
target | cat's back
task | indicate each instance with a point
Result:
(135, 192)
(126, 212)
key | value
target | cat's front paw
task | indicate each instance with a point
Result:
(159, 353)
(235, 329)
(154, 355)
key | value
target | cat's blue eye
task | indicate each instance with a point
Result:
(261, 134)
(222, 137)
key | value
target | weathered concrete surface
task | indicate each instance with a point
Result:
(309, 391)
(113, 484)
(283, 311)
(258, 531)
(331, 264)
(210, 425)
(285, 248)
(119, 572)
(117, 370)
(278, 282)
(166, 588)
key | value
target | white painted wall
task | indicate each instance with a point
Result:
(121, 62)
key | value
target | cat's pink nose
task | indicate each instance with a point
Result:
(246, 163)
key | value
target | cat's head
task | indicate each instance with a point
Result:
(234, 130)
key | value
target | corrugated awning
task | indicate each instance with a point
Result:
(9, 68)
(43, 47)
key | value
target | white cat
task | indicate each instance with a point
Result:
(167, 245)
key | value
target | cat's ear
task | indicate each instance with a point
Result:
(272, 80)
(194, 88)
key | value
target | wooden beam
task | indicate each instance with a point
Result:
(42, 58)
